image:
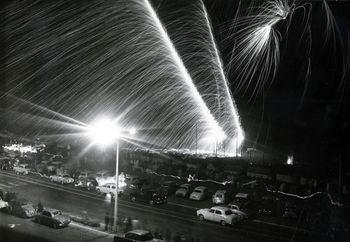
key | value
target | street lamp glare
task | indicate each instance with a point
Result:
(103, 132)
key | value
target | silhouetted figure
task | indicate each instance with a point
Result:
(111, 221)
(106, 221)
(40, 207)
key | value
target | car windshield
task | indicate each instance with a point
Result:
(228, 212)
(57, 213)
(66, 176)
(198, 191)
(218, 195)
(146, 237)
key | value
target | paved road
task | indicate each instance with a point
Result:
(168, 219)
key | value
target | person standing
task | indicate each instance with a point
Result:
(106, 221)
(40, 207)
(111, 220)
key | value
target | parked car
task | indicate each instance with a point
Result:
(220, 197)
(222, 215)
(149, 196)
(169, 187)
(184, 190)
(88, 183)
(110, 188)
(52, 218)
(51, 168)
(103, 175)
(290, 211)
(234, 208)
(6, 163)
(63, 179)
(242, 199)
(249, 211)
(3, 204)
(21, 208)
(23, 169)
(199, 193)
(86, 174)
(136, 236)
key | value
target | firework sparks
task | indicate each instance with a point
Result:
(111, 59)
(256, 53)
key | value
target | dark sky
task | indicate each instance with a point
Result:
(304, 112)
(307, 117)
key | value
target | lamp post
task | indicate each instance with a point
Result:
(105, 132)
(117, 183)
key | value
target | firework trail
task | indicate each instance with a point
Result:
(255, 56)
(333, 35)
(111, 59)
(192, 33)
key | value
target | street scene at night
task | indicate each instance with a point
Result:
(179, 121)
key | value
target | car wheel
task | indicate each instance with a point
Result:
(133, 198)
(98, 191)
(201, 217)
(151, 202)
(223, 222)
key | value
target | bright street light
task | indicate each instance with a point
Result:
(105, 132)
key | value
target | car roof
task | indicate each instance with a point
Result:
(242, 195)
(185, 184)
(51, 210)
(138, 232)
(200, 188)
(232, 204)
(101, 172)
(221, 191)
(220, 208)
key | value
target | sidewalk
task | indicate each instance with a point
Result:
(18, 229)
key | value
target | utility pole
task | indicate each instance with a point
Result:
(339, 177)
(196, 139)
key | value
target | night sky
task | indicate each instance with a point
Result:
(305, 115)
(303, 112)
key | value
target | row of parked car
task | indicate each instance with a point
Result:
(11, 204)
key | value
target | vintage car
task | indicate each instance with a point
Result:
(222, 215)
(184, 190)
(62, 178)
(89, 183)
(235, 209)
(6, 163)
(110, 188)
(100, 175)
(3, 204)
(137, 235)
(149, 196)
(85, 174)
(168, 187)
(199, 193)
(23, 169)
(52, 218)
(21, 208)
(220, 197)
